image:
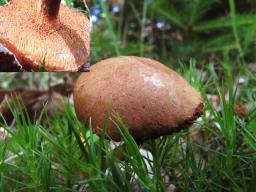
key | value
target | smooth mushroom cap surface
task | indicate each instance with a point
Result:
(59, 45)
(151, 99)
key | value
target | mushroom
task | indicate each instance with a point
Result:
(45, 33)
(151, 99)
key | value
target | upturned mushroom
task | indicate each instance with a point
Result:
(45, 33)
(151, 99)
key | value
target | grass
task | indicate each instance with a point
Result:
(160, 30)
(217, 153)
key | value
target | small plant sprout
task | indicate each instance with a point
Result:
(46, 31)
(151, 99)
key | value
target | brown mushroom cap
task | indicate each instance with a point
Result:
(61, 44)
(151, 99)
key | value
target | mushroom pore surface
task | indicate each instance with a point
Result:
(60, 44)
(151, 99)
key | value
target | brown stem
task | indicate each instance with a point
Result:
(47, 9)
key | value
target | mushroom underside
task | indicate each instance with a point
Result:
(61, 45)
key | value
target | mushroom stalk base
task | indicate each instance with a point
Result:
(47, 10)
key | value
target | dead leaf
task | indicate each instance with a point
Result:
(35, 101)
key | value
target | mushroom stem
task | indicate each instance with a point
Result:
(47, 9)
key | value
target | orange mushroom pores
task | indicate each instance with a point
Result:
(45, 33)
(151, 99)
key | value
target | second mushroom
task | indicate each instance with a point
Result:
(45, 33)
